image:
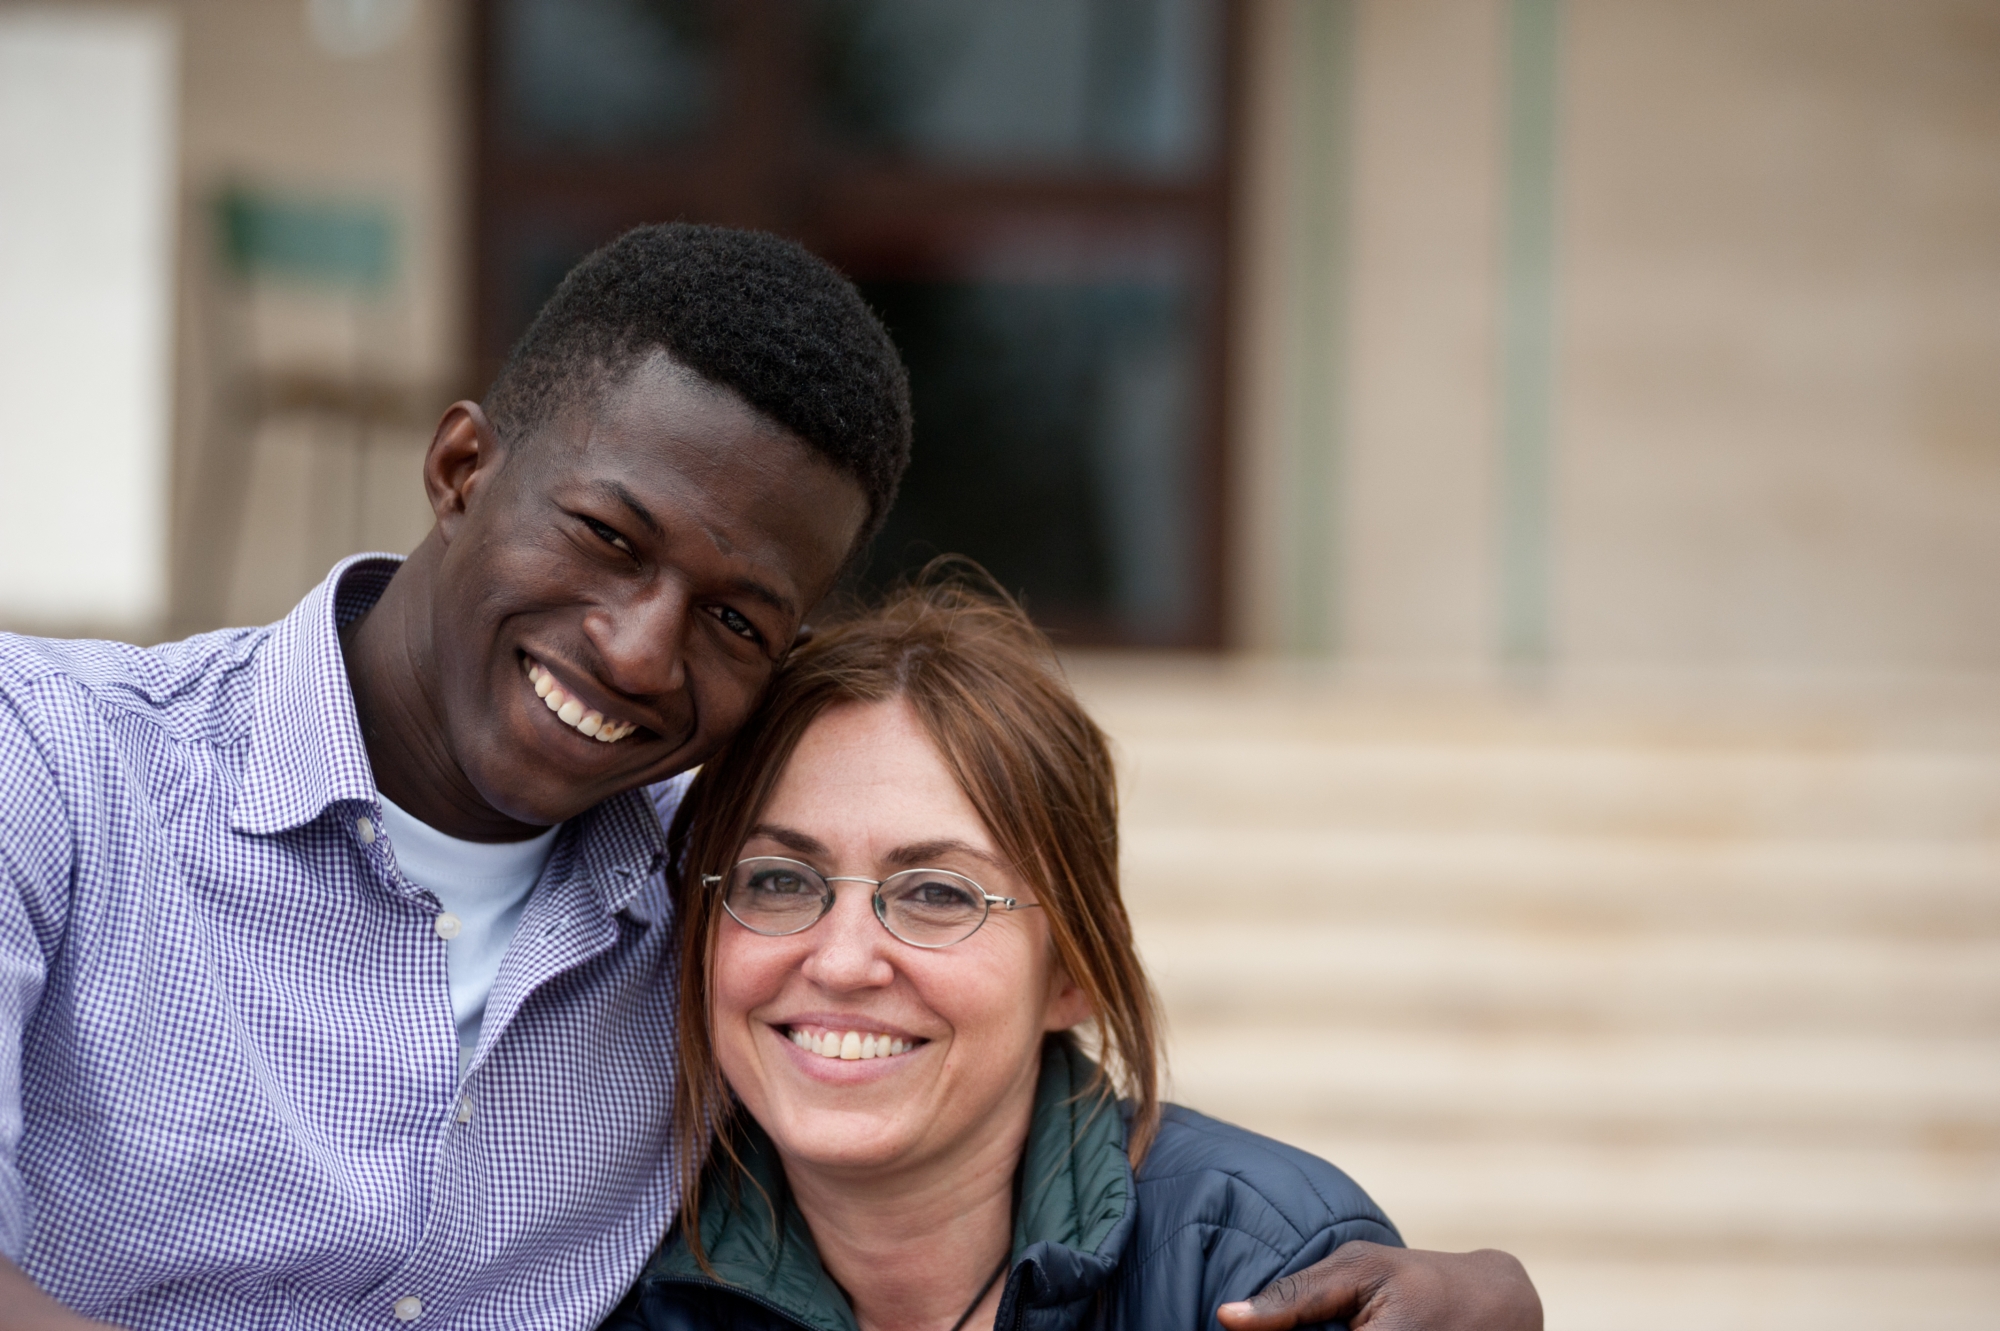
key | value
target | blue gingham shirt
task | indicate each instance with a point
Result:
(229, 1084)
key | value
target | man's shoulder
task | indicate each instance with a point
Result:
(1202, 1170)
(666, 796)
(196, 686)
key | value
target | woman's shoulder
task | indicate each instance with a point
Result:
(1200, 1167)
(1220, 1212)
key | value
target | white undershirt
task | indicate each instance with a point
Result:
(486, 884)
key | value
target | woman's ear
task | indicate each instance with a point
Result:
(1067, 1006)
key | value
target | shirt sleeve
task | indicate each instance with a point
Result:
(36, 852)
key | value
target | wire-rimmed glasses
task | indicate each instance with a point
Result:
(930, 908)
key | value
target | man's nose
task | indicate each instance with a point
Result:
(849, 945)
(643, 641)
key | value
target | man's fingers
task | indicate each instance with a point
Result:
(1373, 1288)
(1328, 1292)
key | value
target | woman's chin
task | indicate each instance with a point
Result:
(841, 1143)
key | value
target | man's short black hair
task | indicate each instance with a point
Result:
(749, 311)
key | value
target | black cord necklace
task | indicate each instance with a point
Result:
(984, 1289)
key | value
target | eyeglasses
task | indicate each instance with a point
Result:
(929, 908)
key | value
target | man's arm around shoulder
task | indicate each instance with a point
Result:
(1373, 1287)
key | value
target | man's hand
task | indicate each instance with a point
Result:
(23, 1306)
(1373, 1288)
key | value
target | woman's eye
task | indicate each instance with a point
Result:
(736, 623)
(943, 894)
(608, 535)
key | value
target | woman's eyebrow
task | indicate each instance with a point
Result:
(919, 853)
(915, 855)
(792, 840)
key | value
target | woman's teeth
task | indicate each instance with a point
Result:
(572, 713)
(851, 1045)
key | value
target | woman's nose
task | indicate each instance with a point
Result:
(848, 949)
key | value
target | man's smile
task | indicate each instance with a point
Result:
(570, 710)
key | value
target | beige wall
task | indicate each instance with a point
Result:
(1776, 443)
(1418, 592)
(265, 105)
(1780, 428)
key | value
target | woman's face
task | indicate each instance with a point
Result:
(866, 793)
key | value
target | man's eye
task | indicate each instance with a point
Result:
(736, 623)
(608, 536)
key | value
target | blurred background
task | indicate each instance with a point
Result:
(1519, 479)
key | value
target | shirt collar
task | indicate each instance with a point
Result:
(621, 847)
(306, 751)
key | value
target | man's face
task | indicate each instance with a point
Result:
(635, 570)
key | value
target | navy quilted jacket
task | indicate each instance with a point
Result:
(1215, 1214)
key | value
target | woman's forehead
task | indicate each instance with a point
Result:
(871, 771)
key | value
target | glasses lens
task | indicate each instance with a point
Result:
(773, 896)
(932, 908)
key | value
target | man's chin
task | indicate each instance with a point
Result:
(540, 795)
(547, 803)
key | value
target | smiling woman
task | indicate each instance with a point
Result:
(901, 930)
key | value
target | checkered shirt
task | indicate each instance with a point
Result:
(229, 1086)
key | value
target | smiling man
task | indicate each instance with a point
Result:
(335, 956)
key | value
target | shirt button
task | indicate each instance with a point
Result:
(464, 1114)
(365, 829)
(446, 924)
(408, 1308)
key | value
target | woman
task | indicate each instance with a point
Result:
(901, 929)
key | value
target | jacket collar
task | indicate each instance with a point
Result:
(305, 746)
(1071, 1222)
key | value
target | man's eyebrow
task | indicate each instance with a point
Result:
(619, 491)
(777, 600)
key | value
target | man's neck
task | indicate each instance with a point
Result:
(392, 669)
(912, 1250)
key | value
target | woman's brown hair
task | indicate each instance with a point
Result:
(984, 683)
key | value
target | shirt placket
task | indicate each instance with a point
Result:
(564, 927)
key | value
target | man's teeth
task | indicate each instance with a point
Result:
(851, 1045)
(572, 713)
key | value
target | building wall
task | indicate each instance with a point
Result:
(270, 108)
(1774, 434)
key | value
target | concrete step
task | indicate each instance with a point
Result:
(1907, 1090)
(1688, 1200)
(1755, 1289)
(1915, 887)
(1369, 975)
(1276, 782)
(1695, 1008)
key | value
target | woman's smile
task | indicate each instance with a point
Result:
(847, 1043)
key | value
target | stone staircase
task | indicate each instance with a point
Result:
(1697, 1013)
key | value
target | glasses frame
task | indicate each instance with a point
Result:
(828, 899)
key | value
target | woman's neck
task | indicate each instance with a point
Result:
(912, 1249)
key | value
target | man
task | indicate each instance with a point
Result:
(335, 959)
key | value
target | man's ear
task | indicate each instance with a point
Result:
(462, 452)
